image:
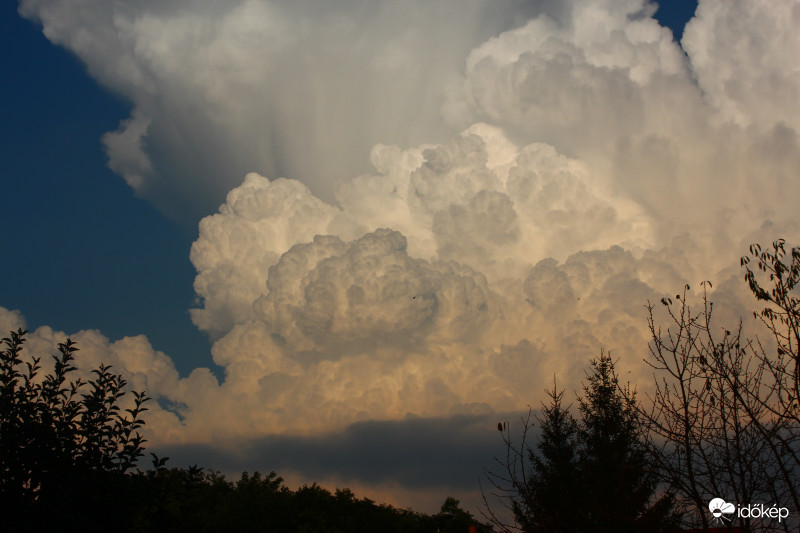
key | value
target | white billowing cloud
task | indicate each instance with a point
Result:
(744, 56)
(597, 168)
(603, 88)
(348, 331)
(327, 293)
(577, 85)
(609, 87)
(477, 200)
(10, 320)
(483, 200)
(126, 154)
(259, 221)
(301, 89)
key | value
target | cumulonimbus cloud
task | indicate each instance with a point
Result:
(571, 166)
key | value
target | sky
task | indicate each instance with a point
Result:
(342, 240)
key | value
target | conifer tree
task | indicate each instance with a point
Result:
(616, 482)
(591, 474)
(555, 472)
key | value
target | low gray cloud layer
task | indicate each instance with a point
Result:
(416, 453)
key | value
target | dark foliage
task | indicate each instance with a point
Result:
(65, 446)
(67, 452)
(179, 500)
(591, 474)
(617, 481)
(547, 504)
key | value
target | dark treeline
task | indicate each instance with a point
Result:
(68, 452)
(189, 500)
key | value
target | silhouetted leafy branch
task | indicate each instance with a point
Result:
(57, 442)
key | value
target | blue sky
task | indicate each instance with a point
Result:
(88, 253)
(504, 189)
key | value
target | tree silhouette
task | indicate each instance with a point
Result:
(723, 419)
(62, 451)
(591, 474)
(548, 500)
(617, 482)
(453, 519)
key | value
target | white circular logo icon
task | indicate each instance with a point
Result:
(719, 507)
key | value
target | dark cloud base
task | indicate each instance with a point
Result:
(415, 453)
